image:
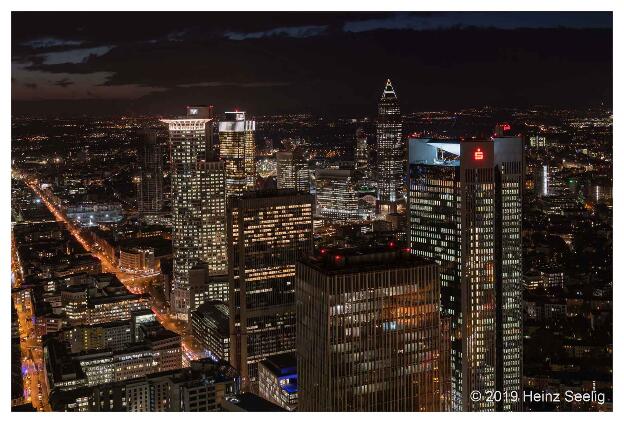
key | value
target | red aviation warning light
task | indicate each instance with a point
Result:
(478, 154)
(501, 129)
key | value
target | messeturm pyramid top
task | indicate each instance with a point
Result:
(388, 91)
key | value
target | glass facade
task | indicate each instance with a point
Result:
(336, 194)
(150, 185)
(368, 333)
(293, 170)
(238, 151)
(362, 158)
(390, 147)
(268, 231)
(198, 205)
(465, 213)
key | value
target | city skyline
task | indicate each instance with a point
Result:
(269, 214)
(263, 237)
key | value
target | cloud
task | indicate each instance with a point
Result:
(65, 82)
(178, 35)
(47, 42)
(293, 32)
(69, 86)
(307, 61)
(235, 84)
(500, 20)
(74, 56)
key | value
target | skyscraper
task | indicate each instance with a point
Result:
(390, 150)
(293, 170)
(150, 186)
(368, 332)
(465, 202)
(541, 179)
(336, 194)
(268, 231)
(362, 157)
(237, 149)
(198, 203)
(286, 174)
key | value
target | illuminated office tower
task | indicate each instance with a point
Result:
(537, 141)
(368, 332)
(268, 231)
(206, 285)
(362, 157)
(198, 203)
(304, 179)
(286, 174)
(541, 180)
(237, 149)
(213, 215)
(293, 170)
(150, 186)
(336, 194)
(465, 202)
(390, 150)
(301, 167)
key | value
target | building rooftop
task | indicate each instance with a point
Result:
(271, 193)
(250, 402)
(282, 364)
(447, 152)
(217, 312)
(350, 260)
(284, 368)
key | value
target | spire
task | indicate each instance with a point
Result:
(388, 91)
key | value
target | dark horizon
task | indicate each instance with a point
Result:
(321, 63)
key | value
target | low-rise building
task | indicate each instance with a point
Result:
(204, 386)
(210, 327)
(277, 380)
(139, 260)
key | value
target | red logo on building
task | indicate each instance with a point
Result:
(478, 154)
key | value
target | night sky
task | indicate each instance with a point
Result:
(330, 63)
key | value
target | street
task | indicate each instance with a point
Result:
(134, 283)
